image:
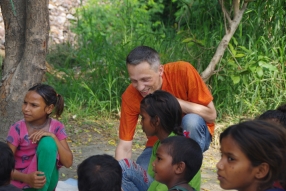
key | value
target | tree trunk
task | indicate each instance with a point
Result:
(26, 38)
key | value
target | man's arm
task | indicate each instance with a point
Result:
(207, 112)
(123, 150)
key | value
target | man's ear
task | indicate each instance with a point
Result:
(161, 70)
(262, 170)
(180, 167)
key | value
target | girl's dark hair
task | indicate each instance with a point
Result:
(261, 142)
(7, 163)
(186, 150)
(50, 96)
(166, 107)
(278, 115)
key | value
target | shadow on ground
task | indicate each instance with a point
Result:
(102, 139)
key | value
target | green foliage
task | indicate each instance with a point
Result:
(249, 79)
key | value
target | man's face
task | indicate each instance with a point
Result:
(144, 78)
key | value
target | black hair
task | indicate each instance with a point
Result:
(7, 163)
(100, 173)
(144, 54)
(185, 150)
(166, 107)
(50, 97)
(278, 115)
(261, 142)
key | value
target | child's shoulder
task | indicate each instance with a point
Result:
(18, 128)
(57, 127)
(56, 122)
(19, 123)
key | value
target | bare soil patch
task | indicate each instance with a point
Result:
(101, 138)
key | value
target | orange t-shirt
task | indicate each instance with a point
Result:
(180, 79)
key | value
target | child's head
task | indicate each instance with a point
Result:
(278, 115)
(50, 97)
(252, 155)
(177, 159)
(99, 172)
(164, 110)
(7, 163)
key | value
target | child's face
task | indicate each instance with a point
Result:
(234, 169)
(147, 126)
(163, 168)
(34, 108)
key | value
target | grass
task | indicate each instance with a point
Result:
(249, 79)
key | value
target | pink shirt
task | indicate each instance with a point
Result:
(25, 155)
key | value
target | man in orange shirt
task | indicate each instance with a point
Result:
(178, 78)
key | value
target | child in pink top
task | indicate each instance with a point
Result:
(38, 141)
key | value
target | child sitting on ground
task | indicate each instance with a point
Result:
(7, 163)
(178, 159)
(161, 116)
(39, 141)
(252, 156)
(100, 173)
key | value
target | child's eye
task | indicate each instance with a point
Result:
(158, 158)
(230, 159)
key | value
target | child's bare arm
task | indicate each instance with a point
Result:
(32, 179)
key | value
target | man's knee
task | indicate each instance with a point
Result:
(193, 121)
(198, 130)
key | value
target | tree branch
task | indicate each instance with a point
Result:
(226, 14)
(235, 4)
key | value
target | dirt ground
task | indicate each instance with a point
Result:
(102, 139)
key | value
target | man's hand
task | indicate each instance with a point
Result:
(123, 150)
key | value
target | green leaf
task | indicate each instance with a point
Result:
(239, 55)
(220, 78)
(252, 68)
(245, 49)
(259, 71)
(232, 50)
(267, 65)
(187, 40)
(235, 79)
(234, 41)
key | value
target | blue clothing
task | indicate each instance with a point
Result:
(192, 123)
(134, 177)
(198, 129)
(144, 158)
